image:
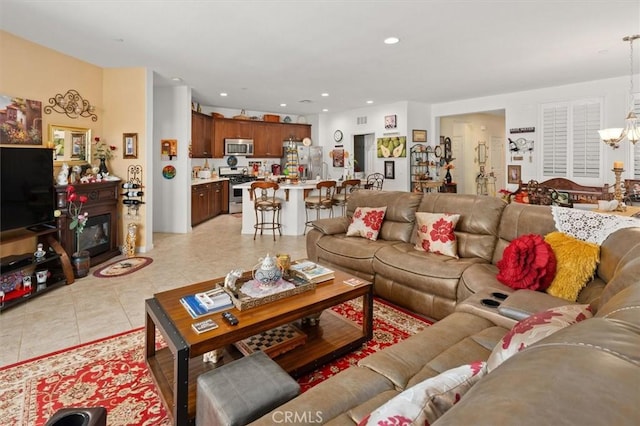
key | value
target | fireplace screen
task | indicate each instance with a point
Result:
(95, 236)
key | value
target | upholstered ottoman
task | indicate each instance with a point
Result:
(242, 391)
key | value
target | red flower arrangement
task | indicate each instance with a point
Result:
(78, 219)
(102, 150)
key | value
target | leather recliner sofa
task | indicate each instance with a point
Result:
(586, 373)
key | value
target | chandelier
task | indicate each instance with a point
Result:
(72, 104)
(631, 131)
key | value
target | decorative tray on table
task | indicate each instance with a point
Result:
(251, 293)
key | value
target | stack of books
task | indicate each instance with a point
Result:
(311, 271)
(206, 303)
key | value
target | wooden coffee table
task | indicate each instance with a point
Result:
(176, 367)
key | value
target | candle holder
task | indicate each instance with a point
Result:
(617, 193)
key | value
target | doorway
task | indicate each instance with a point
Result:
(364, 149)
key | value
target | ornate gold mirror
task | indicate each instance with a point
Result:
(72, 145)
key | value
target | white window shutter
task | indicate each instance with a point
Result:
(555, 140)
(636, 147)
(586, 141)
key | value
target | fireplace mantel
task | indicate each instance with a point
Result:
(102, 202)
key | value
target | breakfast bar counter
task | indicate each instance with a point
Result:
(292, 215)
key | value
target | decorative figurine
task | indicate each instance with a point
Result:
(63, 176)
(231, 278)
(40, 253)
(267, 271)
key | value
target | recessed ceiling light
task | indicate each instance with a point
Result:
(176, 79)
(283, 105)
(324, 94)
(391, 40)
(223, 94)
(369, 102)
(325, 110)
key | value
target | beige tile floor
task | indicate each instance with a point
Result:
(93, 308)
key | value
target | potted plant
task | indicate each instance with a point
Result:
(103, 152)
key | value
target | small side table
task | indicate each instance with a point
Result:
(449, 187)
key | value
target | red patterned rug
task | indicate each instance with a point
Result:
(112, 373)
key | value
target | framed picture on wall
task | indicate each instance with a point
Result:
(390, 121)
(419, 135)
(130, 145)
(389, 169)
(514, 174)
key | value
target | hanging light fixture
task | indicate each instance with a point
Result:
(614, 136)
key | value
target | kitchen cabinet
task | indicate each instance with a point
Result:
(209, 200)
(267, 140)
(201, 135)
(267, 136)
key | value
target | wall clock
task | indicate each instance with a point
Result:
(337, 136)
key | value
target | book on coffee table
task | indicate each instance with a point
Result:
(206, 303)
(312, 271)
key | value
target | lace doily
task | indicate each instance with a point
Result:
(590, 226)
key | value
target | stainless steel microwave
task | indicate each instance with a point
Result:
(238, 147)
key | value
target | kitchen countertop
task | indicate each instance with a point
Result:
(202, 181)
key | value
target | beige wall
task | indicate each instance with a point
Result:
(31, 71)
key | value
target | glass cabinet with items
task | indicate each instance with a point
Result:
(423, 169)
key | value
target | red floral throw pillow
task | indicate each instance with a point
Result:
(435, 233)
(527, 262)
(536, 327)
(366, 222)
(423, 403)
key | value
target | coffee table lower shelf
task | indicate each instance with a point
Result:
(332, 337)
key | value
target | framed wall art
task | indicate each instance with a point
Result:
(419, 135)
(389, 169)
(168, 149)
(514, 174)
(390, 121)
(130, 145)
(21, 122)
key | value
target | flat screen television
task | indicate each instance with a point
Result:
(27, 194)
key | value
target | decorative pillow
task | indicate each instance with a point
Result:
(423, 403)
(577, 261)
(435, 233)
(366, 222)
(534, 328)
(527, 262)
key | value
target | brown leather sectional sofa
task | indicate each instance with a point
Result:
(587, 373)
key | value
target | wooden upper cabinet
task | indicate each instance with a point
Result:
(201, 135)
(267, 136)
(267, 140)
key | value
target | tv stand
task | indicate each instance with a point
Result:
(15, 266)
(41, 227)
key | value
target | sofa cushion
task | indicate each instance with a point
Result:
(399, 220)
(366, 222)
(435, 233)
(477, 228)
(428, 400)
(528, 262)
(351, 254)
(535, 328)
(577, 261)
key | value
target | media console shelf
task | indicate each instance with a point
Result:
(16, 266)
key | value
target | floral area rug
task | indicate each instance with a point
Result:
(112, 373)
(123, 267)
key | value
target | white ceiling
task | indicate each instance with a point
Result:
(264, 53)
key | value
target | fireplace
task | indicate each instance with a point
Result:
(100, 234)
(96, 233)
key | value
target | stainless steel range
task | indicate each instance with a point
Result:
(236, 175)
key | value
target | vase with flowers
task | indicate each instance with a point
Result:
(103, 152)
(447, 176)
(81, 258)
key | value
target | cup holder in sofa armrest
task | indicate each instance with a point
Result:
(490, 303)
(499, 296)
(513, 313)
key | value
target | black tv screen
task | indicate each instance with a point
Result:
(27, 195)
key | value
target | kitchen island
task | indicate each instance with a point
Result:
(292, 215)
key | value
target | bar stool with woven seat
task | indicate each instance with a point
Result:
(265, 202)
(344, 191)
(322, 199)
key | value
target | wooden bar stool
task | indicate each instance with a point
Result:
(320, 200)
(265, 202)
(344, 191)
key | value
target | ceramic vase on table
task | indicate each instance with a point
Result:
(447, 177)
(81, 263)
(103, 166)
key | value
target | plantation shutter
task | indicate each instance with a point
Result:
(636, 147)
(555, 141)
(586, 140)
